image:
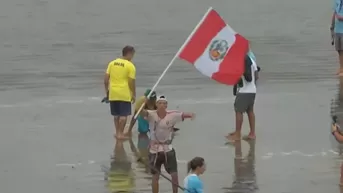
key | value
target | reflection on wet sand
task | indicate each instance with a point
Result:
(120, 176)
(142, 145)
(337, 110)
(245, 176)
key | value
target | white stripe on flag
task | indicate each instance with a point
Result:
(204, 63)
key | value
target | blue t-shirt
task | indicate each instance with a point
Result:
(193, 184)
(143, 125)
(339, 11)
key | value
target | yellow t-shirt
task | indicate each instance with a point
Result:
(120, 70)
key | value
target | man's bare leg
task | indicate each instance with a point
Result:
(340, 57)
(121, 127)
(116, 126)
(175, 180)
(251, 117)
(132, 123)
(341, 179)
(239, 123)
(154, 184)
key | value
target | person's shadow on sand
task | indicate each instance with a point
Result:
(245, 175)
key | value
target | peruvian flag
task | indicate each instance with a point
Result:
(216, 50)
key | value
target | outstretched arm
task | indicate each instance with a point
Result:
(186, 115)
(181, 116)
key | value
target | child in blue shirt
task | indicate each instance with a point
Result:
(192, 182)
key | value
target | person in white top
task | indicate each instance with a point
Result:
(245, 100)
(161, 152)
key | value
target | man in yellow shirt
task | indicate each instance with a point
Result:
(120, 86)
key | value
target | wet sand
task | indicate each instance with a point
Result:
(56, 135)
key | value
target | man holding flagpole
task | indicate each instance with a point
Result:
(161, 151)
(220, 53)
(216, 50)
(245, 100)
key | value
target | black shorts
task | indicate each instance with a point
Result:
(339, 42)
(168, 159)
(120, 108)
(244, 102)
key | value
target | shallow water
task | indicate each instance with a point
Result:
(56, 135)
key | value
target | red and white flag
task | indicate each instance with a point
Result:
(216, 50)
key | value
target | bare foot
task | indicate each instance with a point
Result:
(234, 137)
(231, 134)
(128, 134)
(249, 137)
(116, 136)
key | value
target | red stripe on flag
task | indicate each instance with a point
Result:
(232, 67)
(202, 37)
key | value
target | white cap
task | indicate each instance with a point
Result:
(161, 98)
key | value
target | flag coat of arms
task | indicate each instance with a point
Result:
(216, 50)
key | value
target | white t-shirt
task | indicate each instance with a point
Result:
(249, 87)
(162, 129)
